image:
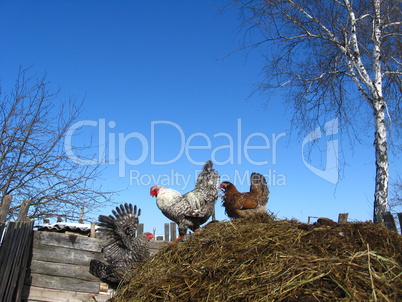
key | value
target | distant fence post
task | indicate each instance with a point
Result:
(173, 235)
(5, 206)
(93, 230)
(166, 231)
(389, 221)
(343, 217)
(140, 229)
(82, 216)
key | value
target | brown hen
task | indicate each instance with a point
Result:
(238, 204)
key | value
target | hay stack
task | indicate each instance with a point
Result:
(259, 259)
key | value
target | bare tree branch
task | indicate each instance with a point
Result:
(33, 165)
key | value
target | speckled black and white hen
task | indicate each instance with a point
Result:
(122, 248)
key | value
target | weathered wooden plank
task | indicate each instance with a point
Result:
(93, 230)
(7, 253)
(343, 217)
(140, 229)
(62, 270)
(53, 295)
(173, 235)
(22, 215)
(14, 255)
(24, 261)
(5, 206)
(68, 240)
(167, 232)
(63, 283)
(59, 254)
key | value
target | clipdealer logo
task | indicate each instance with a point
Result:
(331, 171)
(238, 147)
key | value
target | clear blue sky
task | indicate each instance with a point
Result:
(157, 74)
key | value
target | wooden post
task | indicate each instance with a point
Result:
(400, 220)
(82, 215)
(22, 215)
(389, 221)
(140, 229)
(173, 234)
(343, 217)
(5, 206)
(166, 231)
(93, 230)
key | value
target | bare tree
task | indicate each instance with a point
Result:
(334, 57)
(33, 164)
(395, 203)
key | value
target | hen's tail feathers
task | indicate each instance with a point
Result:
(259, 186)
(208, 179)
(105, 273)
(123, 223)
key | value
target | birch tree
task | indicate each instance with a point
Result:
(395, 204)
(334, 57)
(33, 164)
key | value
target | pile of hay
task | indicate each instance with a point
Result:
(260, 259)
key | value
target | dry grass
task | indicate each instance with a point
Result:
(260, 259)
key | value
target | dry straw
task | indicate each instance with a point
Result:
(259, 259)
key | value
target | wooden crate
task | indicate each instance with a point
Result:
(60, 268)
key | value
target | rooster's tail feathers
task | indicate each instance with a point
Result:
(208, 178)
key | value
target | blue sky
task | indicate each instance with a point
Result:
(157, 74)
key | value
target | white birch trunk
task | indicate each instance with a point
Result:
(381, 163)
(379, 107)
(371, 89)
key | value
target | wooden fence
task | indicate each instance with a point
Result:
(45, 266)
(53, 264)
(15, 250)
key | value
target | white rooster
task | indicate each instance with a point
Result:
(194, 208)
